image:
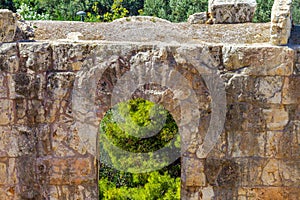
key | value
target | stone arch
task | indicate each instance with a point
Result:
(182, 79)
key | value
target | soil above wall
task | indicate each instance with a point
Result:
(145, 29)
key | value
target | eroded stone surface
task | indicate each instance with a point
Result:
(232, 11)
(8, 25)
(281, 22)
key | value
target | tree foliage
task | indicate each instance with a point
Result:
(123, 125)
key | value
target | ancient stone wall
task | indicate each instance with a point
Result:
(236, 105)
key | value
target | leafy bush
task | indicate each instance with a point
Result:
(28, 13)
(157, 187)
(138, 117)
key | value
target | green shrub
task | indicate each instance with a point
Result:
(137, 117)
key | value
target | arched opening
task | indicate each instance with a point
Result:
(139, 128)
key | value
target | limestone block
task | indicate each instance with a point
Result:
(78, 192)
(271, 173)
(291, 90)
(276, 118)
(269, 89)
(245, 117)
(70, 56)
(72, 170)
(232, 11)
(8, 25)
(274, 143)
(8, 192)
(6, 112)
(281, 22)
(3, 86)
(242, 88)
(245, 144)
(27, 85)
(259, 60)
(8, 143)
(3, 173)
(193, 174)
(198, 18)
(26, 140)
(290, 172)
(35, 56)
(59, 84)
(9, 59)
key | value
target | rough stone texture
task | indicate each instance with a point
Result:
(281, 22)
(231, 11)
(198, 18)
(53, 95)
(8, 25)
(160, 31)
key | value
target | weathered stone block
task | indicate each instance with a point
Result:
(281, 22)
(8, 192)
(3, 173)
(27, 85)
(24, 140)
(3, 86)
(70, 56)
(6, 112)
(232, 11)
(245, 117)
(245, 144)
(276, 118)
(8, 25)
(198, 18)
(291, 90)
(35, 56)
(71, 171)
(262, 90)
(259, 61)
(193, 174)
(8, 142)
(9, 59)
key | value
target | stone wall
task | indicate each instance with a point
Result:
(43, 155)
(236, 105)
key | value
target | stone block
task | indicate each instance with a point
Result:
(281, 22)
(9, 59)
(262, 90)
(198, 18)
(291, 90)
(245, 144)
(70, 57)
(72, 170)
(3, 173)
(8, 192)
(26, 140)
(3, 85)
(59, 85)
(6, 112)
(232, 11)
(259, 60)
(8, 142)
(193, 174)
(36, 57)
(276, 118)
(27, 85)
(8, 25)
(245, 117)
